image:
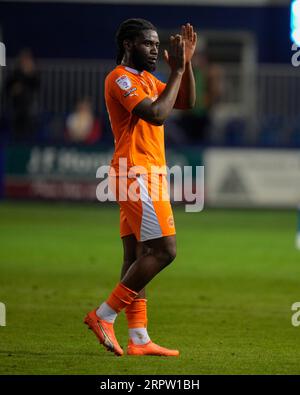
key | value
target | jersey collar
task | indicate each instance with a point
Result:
(133, 71)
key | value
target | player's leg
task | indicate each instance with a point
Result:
(140, 343)
(132, 249)
(136, 312)
(159, 254)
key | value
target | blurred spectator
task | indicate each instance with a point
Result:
(22, 87)
(209, 87)
(82, 126)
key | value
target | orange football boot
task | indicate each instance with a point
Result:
(150, 348)
(104, 331)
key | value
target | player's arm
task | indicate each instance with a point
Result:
(186, 97)
(187, 92)
(157, 111)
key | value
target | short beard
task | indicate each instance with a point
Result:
(139, 62)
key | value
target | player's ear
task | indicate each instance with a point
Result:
(128, 44)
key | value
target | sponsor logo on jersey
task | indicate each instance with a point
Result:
(129, 93)
(124, 82)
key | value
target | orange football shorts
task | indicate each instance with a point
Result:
(145, 208)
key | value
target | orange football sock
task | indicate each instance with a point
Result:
(121, 297)
(136, 314)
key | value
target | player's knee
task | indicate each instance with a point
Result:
(167, 255)
(171, 254)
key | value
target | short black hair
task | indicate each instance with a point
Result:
(130, 29)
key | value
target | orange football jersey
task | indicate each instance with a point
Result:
(137, 141)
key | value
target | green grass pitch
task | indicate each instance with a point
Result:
(225, 302)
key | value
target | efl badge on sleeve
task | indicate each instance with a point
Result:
(124, 82)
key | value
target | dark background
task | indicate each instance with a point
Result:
(87, 30)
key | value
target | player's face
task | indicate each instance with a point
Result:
(145, 50)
